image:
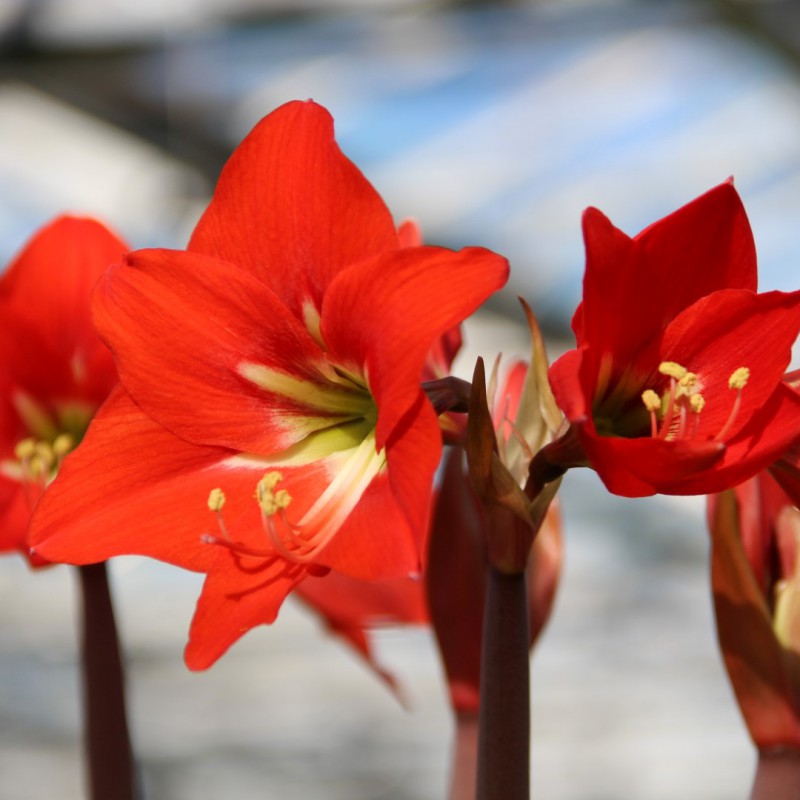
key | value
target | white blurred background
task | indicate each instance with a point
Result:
(493, 124)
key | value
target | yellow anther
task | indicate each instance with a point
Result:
(672, 369)
(266, 502)
(697, 402)
(37, 467)
(739, 378)
(216, 500)
(25, 449)
(282, 498)
(270, 480)
(63, 444)
(268, 499)
(45, 452)
(652, 402)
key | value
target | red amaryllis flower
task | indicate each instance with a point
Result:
(675, 384)
(755, 573)
(274, 368)
(54, 370)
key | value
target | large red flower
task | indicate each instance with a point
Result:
(54, 370)
(273, 367)
(675, 384)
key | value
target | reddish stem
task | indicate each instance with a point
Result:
(777, 776)
(504, 719)
(108, 747)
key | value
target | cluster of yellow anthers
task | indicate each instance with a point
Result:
(272, 504)
(39, 459)
(683, 398)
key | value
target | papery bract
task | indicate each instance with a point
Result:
(675, 385)
(503, 439)
(54, 370)
(279, 356)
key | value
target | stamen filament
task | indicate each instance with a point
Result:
(684, 416)
(670, 412)
(236, 547)
(738, 380)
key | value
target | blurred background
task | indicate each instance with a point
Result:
(490, 123)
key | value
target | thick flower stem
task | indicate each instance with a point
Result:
(465, 756)
(777, 776)
(108, 747)
(504, 720)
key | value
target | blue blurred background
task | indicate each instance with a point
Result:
(490, 123)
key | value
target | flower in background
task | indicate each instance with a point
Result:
(755, 574)
(675, 384)
(270, 423)
(54, 370)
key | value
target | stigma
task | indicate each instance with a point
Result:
(675, 414)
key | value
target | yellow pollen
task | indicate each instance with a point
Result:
(270, 480)
(270, 501)
(45, 452)
(37, 467)
(739, 378)
(652, 402)
(282, 498)
(63, 444)
(697, 402)
(25, 449)
(672, 369)
(216, 500)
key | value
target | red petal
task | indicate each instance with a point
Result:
(383, 536)
(347, 602)
(409, 233)
(765, 437)
(641, 467)
(238, 595)
(731, 329)
(15, 514)
(132, 487)
(456, 583)
(566, 380)
(181, 325)
(634, 287)
(386, 313)
(48, 346)
(291, 209)
(50, 283)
